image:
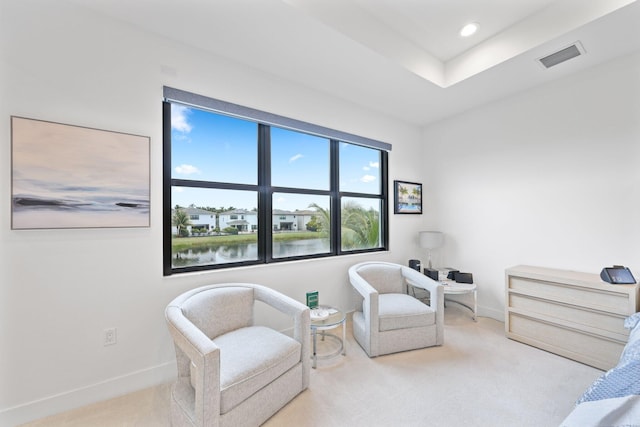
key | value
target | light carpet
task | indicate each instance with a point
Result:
(477, 378)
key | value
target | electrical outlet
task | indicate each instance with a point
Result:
(110, 336)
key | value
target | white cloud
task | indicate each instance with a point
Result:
(179, 121)
(368, 178)
(296, 157)
(187, 169)
(371, 165)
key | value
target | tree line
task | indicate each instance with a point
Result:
(360, 228)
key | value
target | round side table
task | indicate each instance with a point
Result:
(324, 318)
(454, 288)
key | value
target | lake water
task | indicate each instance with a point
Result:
(222, 254)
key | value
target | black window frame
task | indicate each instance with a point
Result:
(263, 188)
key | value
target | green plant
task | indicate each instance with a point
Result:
(181, 221)
(360, 227)
(230, 230)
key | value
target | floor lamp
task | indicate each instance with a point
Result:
(431, 240)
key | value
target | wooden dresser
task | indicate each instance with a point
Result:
(573, 314)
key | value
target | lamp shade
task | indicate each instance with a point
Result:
(431, 239)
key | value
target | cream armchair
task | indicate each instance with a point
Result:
(388, 320)
(230, 371)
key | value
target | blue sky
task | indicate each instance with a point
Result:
(212, 147)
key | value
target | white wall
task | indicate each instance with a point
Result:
(59, 289)
(549, 177)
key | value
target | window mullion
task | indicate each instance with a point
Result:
(265, 220)
(335, 196)
(384, 191)
(166, 188)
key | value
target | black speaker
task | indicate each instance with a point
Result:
(463, 277)
(415, 264)
(431, 273)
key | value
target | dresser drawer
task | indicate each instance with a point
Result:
(590, 349)
(604, 323)
(599, 299)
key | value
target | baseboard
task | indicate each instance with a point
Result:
(492, 313)
(73, 399)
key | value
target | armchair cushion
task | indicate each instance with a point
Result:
(245, 370)
(401, 311)
(233, 308)
(383, 278)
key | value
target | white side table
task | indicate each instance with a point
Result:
(331, 318)
(454, 288)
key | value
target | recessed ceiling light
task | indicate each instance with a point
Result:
(469, 29)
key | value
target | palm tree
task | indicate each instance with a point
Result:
(324, 219)
(360, 227)
(181, 221)
(416, 191)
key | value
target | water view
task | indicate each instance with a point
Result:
(213, 253)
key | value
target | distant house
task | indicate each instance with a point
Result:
(244, 220)
(241, 219)
(201, 220)
(284, 221)
(303, 218)
(291, 221)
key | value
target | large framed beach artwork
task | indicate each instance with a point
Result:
(66, 176)
(407, 197)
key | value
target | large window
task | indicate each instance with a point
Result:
(244, 187)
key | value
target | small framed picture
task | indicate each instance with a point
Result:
(407, 197)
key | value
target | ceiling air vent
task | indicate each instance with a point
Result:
(562, 55)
